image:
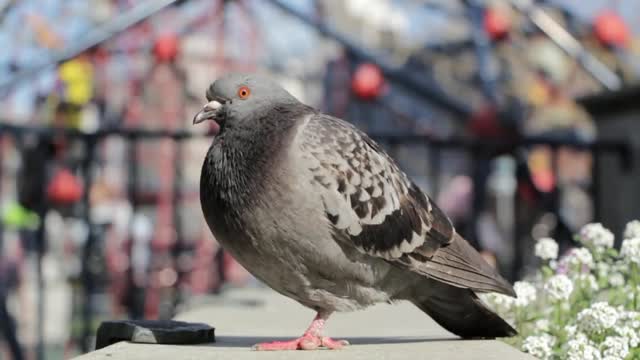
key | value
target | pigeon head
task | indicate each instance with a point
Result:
(236, 100)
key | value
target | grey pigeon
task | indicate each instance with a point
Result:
(314, 208)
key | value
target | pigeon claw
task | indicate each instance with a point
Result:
(332, 344)
(306, 342)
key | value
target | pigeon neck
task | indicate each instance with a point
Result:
(242, 160)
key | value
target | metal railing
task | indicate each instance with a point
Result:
(477, 149)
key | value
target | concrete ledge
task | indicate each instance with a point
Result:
(245, 317)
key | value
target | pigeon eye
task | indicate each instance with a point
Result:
(244, 92)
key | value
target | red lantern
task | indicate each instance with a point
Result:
(544, 180)
(497, 24)
(610, 29)
(484, 123)
(368, 81)
(166, 48)
(64, 188)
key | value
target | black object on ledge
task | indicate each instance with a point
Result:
(154, 332)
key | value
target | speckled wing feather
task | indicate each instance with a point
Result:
(374, 207)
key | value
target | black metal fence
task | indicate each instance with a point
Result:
(91, 276)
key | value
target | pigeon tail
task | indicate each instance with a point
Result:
(461, 312)
(459, 264)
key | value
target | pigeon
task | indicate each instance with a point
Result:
(318, 211)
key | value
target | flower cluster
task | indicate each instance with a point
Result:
(546, 249)
(597, 319)
(596, 236)
(630, 250)
(540, 346)
(615, 347)
(579, 258)
(584, 305)
(587, 281)
(632, 230)
(559, 287)
(525, 293)
(581, 348)
(542, 325)
(630, 334)
(616, 279)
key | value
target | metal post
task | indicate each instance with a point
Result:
(7, 323)
(479, 176)
(517, 236)
(435, 160)
(40, 245)
(88, 280)
(595, 185)
(136, 292)
(179, 245)
(487, 71)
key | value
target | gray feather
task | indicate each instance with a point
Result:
(408, 230)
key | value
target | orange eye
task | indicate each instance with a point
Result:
(244, 92)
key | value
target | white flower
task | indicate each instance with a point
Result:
(525, 293)
(499, 302)
(630, 250)
(587, 281)
(630, 318)
(632, 230)
(542, 325)
(615, 346)
(630, 334)
(546, 249)
(597, 318)
(570, 330)
(587, 352)
(581, 348)
(603, 268)
(580, 257)
(616, 280)
(539, 346)
(620, 266)
(596, 236)
(559, 287)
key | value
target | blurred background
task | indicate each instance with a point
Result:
(517, 116)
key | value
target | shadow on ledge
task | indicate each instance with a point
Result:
(249, 341)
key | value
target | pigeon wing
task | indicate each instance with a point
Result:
(373, 206)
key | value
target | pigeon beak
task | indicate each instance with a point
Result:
(208, 112)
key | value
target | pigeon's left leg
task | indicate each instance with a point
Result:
(310, 340)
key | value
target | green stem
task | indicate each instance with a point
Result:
(558, 315)
(634, 288)
(634, 284)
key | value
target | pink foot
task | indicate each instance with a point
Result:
(311, 339)
(306, 342)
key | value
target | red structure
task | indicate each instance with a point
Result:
(611, 30)
(368, 81)
(497, 24)
(64, 188)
